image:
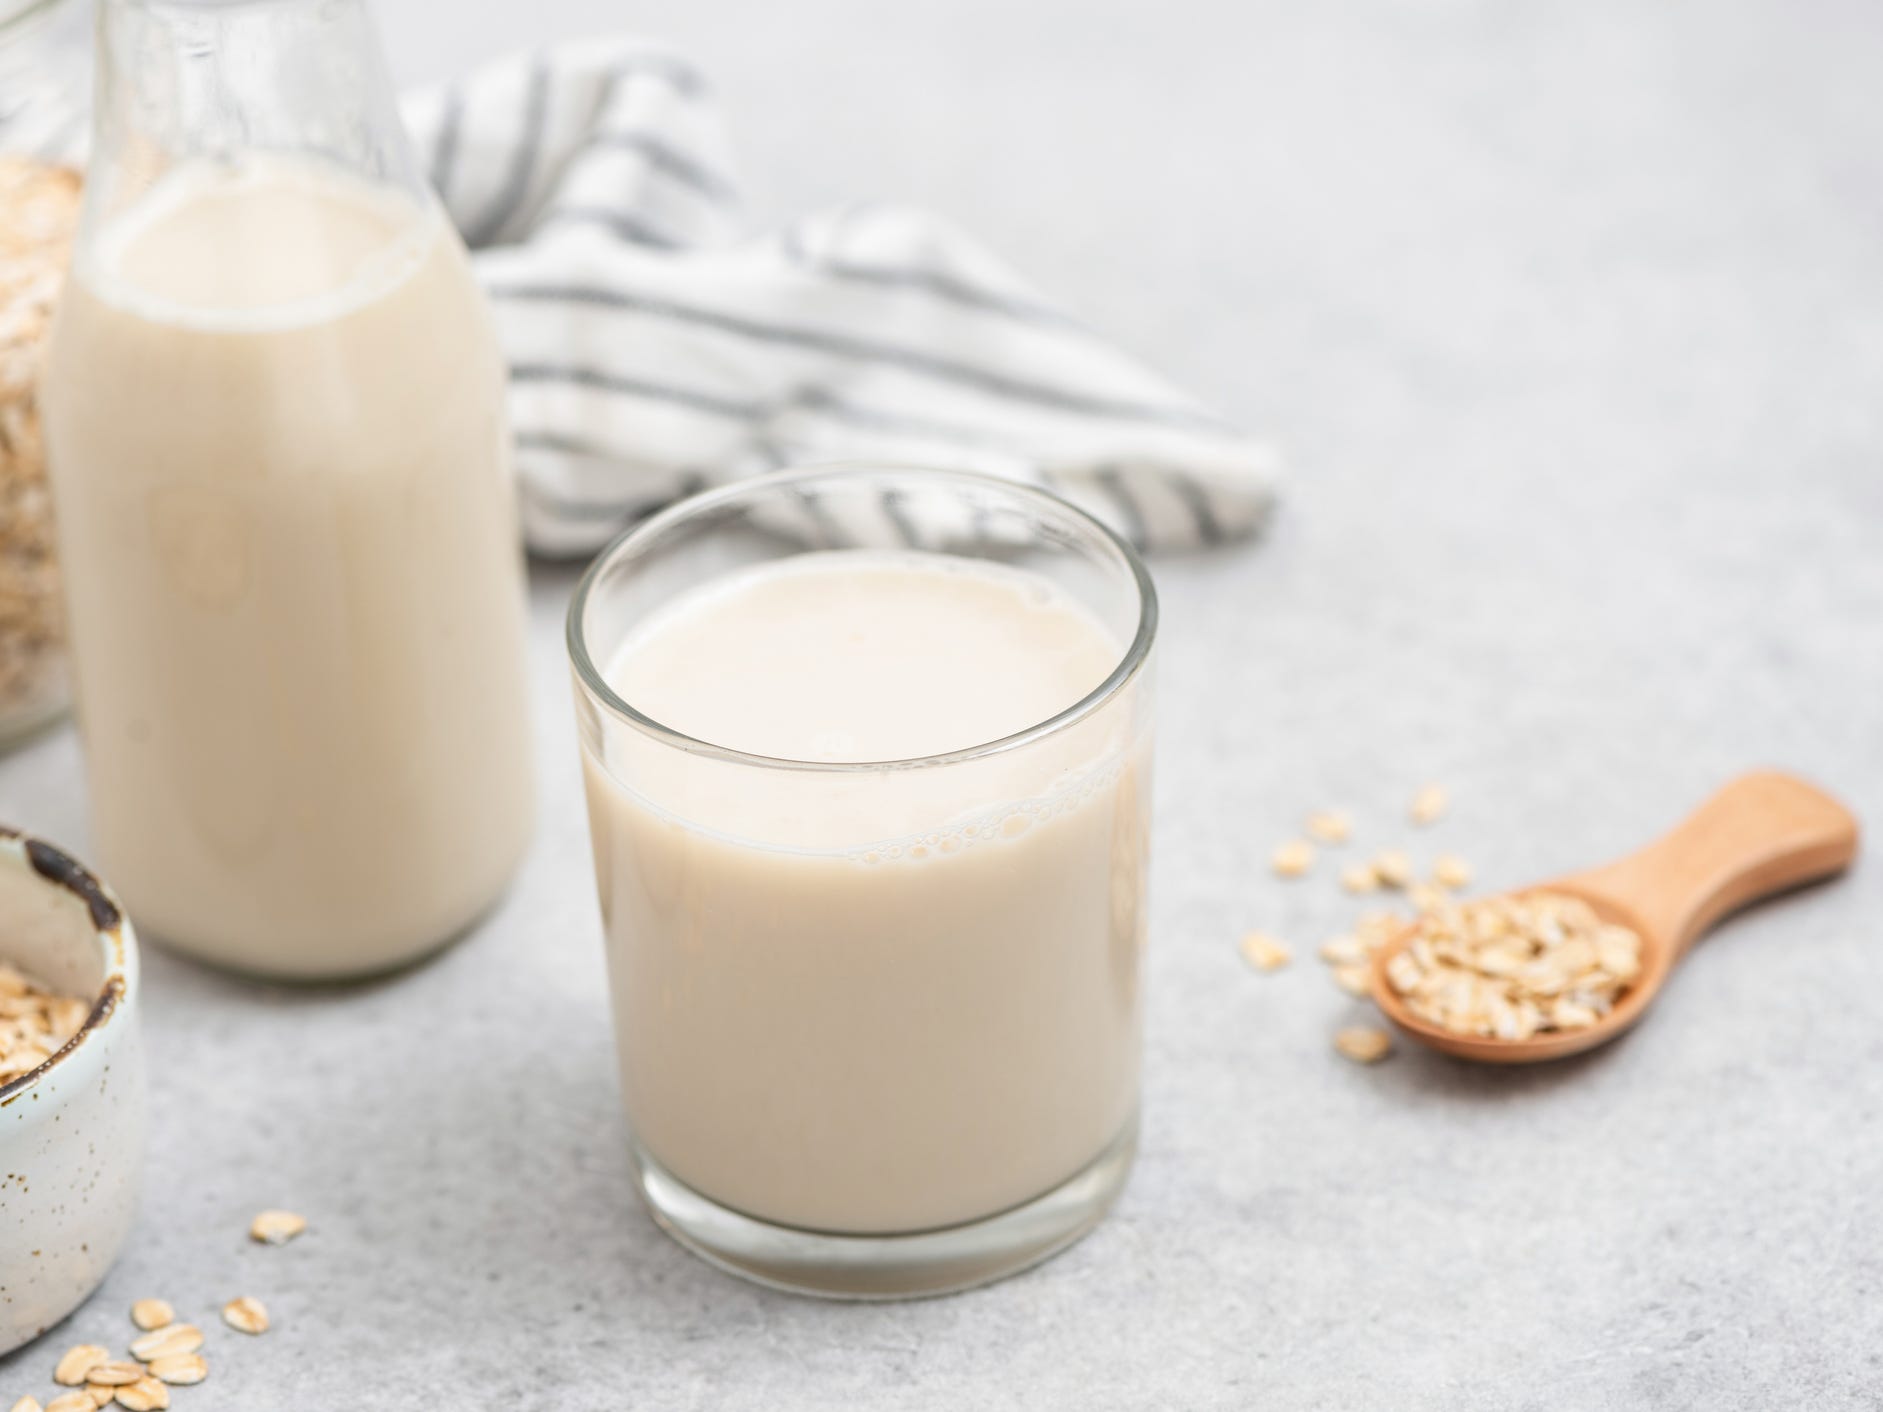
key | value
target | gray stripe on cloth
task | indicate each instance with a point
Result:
(516, 183)
(1197, 501)
(563, 442)
(689, 482)
(824, 524)
(948, 287)
(811, 399)
(445, 151)
(839, 409)
(708, 402)
(682, 77)
(596, 512)
(899, 517)
(1129, 510)
(791, 245)
(941, 286)
(668, 159)
(868, 351)
(981, 523)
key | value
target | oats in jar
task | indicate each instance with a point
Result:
(38, 212)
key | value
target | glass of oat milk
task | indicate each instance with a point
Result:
(867, 754)
(274, 412)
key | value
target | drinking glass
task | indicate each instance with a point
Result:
(879, 1037)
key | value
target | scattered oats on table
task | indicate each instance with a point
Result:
(113, 1374)
(1264, 952)
(171, 1341)
(182, 1370)
(1293, 858)
(102, 1394)
(1344, 951)
(1330, 826)
(276, 1227)
(1363, 1044)
(1451, 871)
(150, 1314)
(79, 1360)
(246, 1315)
(27, 1404)
(1393, 868)
(1355, 980)
(72, 1402)
(145, 1395)
(1359, 877)
(1429, 805)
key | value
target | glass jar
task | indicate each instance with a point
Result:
(275, 428)
(44, 83)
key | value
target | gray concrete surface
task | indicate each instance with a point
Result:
(1570, 316)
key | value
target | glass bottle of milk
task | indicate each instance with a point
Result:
(276, 438)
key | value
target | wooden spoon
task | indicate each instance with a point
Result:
(1762, 834)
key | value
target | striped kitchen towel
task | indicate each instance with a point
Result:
(657, 346)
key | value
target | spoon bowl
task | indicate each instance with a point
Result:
(1763, 834)
(1656, 963)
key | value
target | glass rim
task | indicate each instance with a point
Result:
(1130, 661)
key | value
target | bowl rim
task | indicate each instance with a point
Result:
(111, 931)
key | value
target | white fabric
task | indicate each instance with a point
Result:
(657, 347)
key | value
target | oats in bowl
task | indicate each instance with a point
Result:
(35, 1023)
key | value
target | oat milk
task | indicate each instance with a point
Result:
(274, 417)
(874, 1001)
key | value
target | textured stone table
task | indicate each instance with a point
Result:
(1570, 318)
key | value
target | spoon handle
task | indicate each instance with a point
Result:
(1763, 833)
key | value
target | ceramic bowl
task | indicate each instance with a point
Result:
(71, 1131)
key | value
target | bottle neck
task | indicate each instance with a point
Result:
(182, 82)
